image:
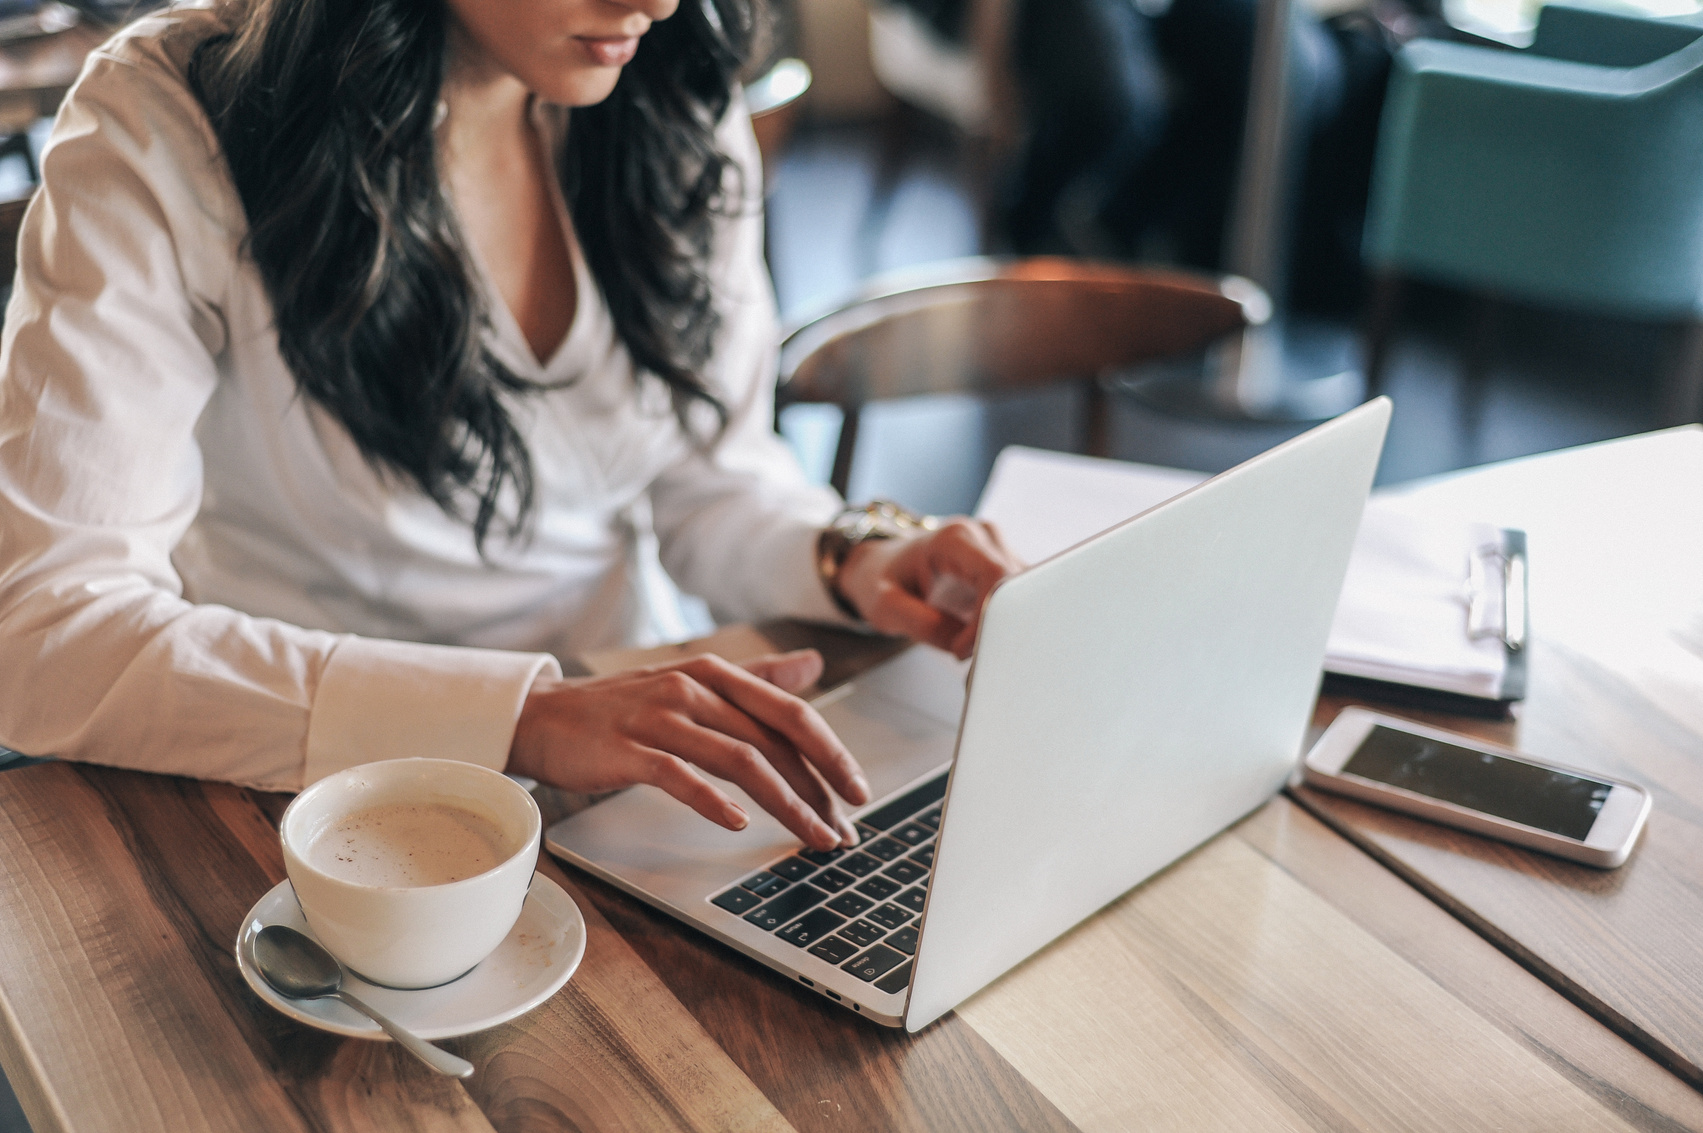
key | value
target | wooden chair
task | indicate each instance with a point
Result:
(986, 325)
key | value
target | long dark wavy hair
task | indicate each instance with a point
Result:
(326, 111)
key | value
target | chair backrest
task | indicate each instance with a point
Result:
(1551, 180)
(985, 325)
(1607, 39)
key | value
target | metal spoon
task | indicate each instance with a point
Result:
(299, 967)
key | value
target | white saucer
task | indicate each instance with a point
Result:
(528, 967)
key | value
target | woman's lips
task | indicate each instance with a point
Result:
(610, 51)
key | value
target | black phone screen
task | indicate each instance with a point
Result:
(1497, 785)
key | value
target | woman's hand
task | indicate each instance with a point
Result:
(929, 586)
(668, 725)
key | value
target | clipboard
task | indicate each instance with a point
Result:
(1495, 596)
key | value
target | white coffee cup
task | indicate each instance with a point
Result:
(421, 935)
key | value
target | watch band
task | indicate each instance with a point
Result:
(878, 519)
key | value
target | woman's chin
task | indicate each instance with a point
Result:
(579, 86)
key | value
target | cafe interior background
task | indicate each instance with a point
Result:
(899, 138)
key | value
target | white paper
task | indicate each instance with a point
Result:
(1403, 613)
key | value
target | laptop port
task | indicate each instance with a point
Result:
(834, 996)
(806, 982)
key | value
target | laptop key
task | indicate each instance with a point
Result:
(905, 872)
(890, 916)
(905, 940)
(887, 849)
(866, 832)
(785, 907)
(906, 804)
(862, 933)
(896, 980)
(912, 899)
(764, 884)
(879, 888)
(737, 900)
(930, 818)
(820, 857)
(860, 864)
(793, 869)
(851, 904)
(878, 961)
(832, 880)
(924, 857)
(913, 833)
(834, 949)
(811, 927)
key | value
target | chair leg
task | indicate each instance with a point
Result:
(1388, 290)
(1475, 369)
(1096, 418)
(840, 477)
(1682, 384)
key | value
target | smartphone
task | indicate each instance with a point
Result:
(1490, 790)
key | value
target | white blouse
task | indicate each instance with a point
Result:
(200, 574)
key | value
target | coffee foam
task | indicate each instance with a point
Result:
(402, 845)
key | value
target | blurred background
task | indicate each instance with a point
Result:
(1495, 207)
(1113, 131)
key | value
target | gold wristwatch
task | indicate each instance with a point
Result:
(878, 519)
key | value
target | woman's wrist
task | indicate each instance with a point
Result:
(844, 538)
(526, 749)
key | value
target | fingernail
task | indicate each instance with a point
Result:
(827, 832)
(848, 832)
(737, 818)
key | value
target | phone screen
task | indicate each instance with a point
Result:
(1497, 785)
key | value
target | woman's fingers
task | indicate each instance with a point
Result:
(674, 775)
(894, 609)
(930, 587)
(796, 722)
(717, 714)
(652, 726)
(968, 550)
(744, 764)
(790, 672)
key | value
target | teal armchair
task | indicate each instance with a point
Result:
(1569, 174)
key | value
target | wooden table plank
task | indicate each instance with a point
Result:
(1226, 994)
(1616, 685)
(824, 1068)
(1492, 984)
(122, 1006)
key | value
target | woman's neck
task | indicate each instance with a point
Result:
(499, 177)
(487, 105)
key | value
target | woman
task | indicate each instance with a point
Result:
(347, 374)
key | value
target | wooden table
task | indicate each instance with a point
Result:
(1281, 977)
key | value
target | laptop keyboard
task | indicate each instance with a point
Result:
(853, 908)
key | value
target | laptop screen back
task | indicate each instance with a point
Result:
(1133, 696)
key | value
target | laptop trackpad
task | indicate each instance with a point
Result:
(900, 720)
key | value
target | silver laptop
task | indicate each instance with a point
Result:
(1128, 699)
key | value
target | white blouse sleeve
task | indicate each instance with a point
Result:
(110, 353)
(738, 523)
